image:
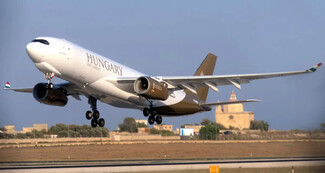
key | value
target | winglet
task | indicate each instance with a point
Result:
(313, 69)
(7, 86)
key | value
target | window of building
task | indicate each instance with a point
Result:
(231, 117)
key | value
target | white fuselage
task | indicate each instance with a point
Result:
(93, 73)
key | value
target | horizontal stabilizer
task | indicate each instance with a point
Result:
(229, 102)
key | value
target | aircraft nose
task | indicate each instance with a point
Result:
(31, 49)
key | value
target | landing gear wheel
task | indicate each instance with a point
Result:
(89, 115)
(158, 119)
(49, 86)
(146, 112)
(96, 114)
(94, 123)
(153, 112)
(151, 119)
(101, 122)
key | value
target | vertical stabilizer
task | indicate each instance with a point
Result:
(206, 68)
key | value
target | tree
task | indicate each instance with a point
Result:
(21, 136)
(166, 133)
(63, 133)
(6, 136)
(209, 132)
(154, 131)
(141, 125)
(265, 126)
(259, 125)
(2, 129)
(206, 121)
(221, 127)
(161, 132)
(78, 131)
(57, 128)
(128, 125)
(323, 126)
(36, 134)
(84, 133)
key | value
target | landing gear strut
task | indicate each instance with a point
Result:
(94, 115)
(49, 77)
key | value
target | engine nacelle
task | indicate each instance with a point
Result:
(150, 88)
(54, 97)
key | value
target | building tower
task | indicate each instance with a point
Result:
(233, 115)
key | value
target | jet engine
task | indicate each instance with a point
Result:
(54, 97)
(150, 88)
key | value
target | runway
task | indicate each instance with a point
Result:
(154, 165)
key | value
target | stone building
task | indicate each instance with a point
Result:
(26, 130)
(10, 129)
(163, 127)
(196, 128)
(234, 115)
(143, 130)
(41, 127)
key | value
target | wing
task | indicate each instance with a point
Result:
(71, 89)
(207, 106)
(193, 82)
(26, 90)
(228, 102)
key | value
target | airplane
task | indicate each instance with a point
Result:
(100, 78)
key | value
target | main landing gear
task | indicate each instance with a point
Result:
(152, 115)
(94, 115)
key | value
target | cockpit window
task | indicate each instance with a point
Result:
(41, 41)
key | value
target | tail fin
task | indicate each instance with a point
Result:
(206, 68)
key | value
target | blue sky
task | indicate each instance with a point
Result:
(168, 38)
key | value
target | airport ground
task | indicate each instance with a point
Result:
(315, 169)
(297, 165)
(166, 150)
(141, 156)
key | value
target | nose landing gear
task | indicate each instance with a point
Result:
(94, 115)
(49, 76)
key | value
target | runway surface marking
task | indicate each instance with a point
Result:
(154, 165)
